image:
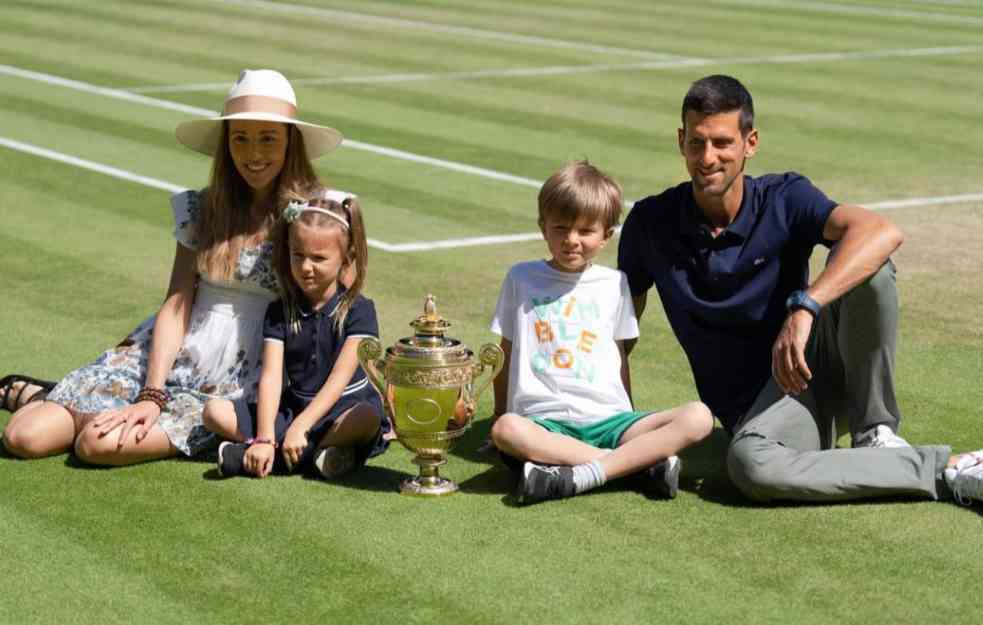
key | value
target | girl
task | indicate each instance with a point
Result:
(143, 399)
(328, 416)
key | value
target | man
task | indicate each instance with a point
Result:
(778, 359)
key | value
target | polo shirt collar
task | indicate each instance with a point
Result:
(305, 309)
(694, 226)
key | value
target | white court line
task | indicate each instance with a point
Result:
(860, 9)
(566, 70)
(115, 172)
(474, 33)
(417, 246)
(193, 110)
(122, 174)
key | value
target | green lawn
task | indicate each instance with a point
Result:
(875, 102)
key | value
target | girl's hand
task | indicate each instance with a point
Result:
(259, 459)
(141, 415)
(294, 445)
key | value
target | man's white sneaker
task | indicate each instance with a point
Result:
(965, 479)
(880, 437)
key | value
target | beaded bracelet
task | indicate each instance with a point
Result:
(261, 441)
(155, 395)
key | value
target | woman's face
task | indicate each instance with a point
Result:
(258, 150)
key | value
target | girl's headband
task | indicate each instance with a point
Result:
(294, 208)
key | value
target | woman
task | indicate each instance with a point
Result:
(143, 399)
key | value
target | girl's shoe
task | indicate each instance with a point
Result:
(230, 457)
(7, 389)
(333, 462)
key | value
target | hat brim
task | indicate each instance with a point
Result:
(203, 135)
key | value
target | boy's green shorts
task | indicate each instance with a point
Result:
(604, 434)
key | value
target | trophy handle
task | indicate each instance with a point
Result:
(369, 350)
(490, 355)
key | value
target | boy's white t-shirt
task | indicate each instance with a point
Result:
(565, 363)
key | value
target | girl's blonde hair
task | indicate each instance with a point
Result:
(353, 242)
(224, 225)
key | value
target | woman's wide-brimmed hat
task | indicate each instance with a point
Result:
(264, 95)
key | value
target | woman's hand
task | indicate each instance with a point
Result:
(294, 444)
(141, 415)
(259, 459)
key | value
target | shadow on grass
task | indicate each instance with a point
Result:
(467, 447)
(369, 477)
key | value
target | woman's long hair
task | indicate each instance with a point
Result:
(224, 226)
(354, 244)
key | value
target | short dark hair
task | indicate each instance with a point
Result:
(720, 94)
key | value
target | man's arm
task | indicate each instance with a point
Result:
(639, 302)
(864, 242)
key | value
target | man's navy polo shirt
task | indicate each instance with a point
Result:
(725, 296)
(310, 354)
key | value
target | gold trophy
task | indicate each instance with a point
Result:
(427, 385)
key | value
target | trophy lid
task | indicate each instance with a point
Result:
(428, 341)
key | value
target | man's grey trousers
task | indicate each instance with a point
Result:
(783, 447)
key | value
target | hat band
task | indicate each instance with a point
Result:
(260, 104)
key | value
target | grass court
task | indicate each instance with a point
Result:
(455, 111)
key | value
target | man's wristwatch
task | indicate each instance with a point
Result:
(800, 300)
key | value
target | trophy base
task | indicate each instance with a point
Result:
(421, 486)
(428, 483)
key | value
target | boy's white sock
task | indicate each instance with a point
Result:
(587, 476)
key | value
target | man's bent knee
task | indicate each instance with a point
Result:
(750, 468)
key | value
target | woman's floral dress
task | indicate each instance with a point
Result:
(220, 357)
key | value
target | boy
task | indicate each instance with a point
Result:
(563, 324)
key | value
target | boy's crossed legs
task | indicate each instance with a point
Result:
(651, 439)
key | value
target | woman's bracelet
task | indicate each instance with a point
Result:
(261, 441)
(158, 396)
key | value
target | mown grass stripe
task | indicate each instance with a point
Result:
(111, 28)
(859, 9)
(462, 31)
(198, 112)
(84, 164)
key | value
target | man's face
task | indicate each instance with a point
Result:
(715, 150)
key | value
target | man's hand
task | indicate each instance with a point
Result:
(788, 360)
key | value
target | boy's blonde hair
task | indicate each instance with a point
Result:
(580, 191)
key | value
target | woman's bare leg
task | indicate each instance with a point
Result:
(39, 429)
(93, 448)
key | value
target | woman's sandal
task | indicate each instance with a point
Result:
(7, 389)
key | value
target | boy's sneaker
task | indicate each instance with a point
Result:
(965, 479)
(333, 462)
(230, 457)
(880, 437)
(538, 482)
(662, 478)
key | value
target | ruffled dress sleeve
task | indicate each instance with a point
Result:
(187, 211)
